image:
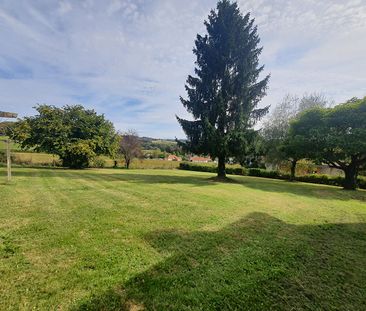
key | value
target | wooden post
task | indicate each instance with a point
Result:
(8, 159)
(4, 114)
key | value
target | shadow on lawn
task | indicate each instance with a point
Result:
(304, 189)
(263, 184)
(258, 263)
(258, 183)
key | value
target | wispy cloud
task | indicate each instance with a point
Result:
(129, 59)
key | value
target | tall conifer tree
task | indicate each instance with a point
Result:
(225, 91)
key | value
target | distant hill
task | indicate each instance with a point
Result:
(166, 145)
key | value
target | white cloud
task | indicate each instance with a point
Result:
(129, 59)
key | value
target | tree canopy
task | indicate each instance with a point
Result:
(73, 133)
(280, 146)
(225, 91)
(335, 136)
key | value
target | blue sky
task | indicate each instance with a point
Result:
(129, 59)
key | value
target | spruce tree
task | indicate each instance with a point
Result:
(224, 92)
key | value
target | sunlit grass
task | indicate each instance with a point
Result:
(176, 240)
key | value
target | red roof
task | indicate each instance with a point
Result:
(173, 157)
(199, 159)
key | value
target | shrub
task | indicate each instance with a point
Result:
(236, 171)
(197, 167)
(263, 173)
(303, 167)
(329, 180)
(362, 183)
(98, 162)
(318, 179)
(211, 168)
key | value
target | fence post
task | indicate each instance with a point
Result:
(8, 159)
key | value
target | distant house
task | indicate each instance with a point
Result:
(173, 157)
(199, 159)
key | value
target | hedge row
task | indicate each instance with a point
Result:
(211, 168)
(315, 179)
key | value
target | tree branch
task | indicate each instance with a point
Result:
(335, 164)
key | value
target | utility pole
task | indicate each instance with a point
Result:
(4, 114)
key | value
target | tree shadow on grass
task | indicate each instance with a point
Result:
(202, 179)
(304, 189)
(258, 263)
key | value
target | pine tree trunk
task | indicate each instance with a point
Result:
(221, 173)
(350, 178)
(293, 169)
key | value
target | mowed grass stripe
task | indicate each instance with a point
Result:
(123, 191)
(174, 240)
(67, 227)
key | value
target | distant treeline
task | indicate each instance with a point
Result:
(164, 145)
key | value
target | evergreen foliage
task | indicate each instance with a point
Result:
(225, 91)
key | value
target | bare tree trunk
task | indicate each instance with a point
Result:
(293, 169)
(127, 162)
(221, 173)
(350, 177)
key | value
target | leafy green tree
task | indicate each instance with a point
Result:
(293, 149)
(280, 145)
(336, 136)
(73, 133)
(225, 91)
(6, 127)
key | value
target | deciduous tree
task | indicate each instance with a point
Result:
(336, 136)
(130, 147)
(73, 133)
(280, 145)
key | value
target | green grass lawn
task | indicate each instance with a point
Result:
(176, 240)
(45, 159)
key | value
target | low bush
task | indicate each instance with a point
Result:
(264, 173)
(236, 171)
(303, 167)
(212, 168)
(98, 162)
(329, 180)
(362, 182)
(197, 167)
(321, 179)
